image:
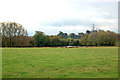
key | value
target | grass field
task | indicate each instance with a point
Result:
(99, 62)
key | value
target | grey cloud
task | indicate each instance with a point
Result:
(67, 22)
(109, 8)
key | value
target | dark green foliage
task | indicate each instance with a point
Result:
(40, 39)
(14, 35)
(75, 43)
(100, 38)
(62, 35)
(72, 35)
(55, 41)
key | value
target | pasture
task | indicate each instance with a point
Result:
(96, 62)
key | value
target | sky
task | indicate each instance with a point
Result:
(69, 16)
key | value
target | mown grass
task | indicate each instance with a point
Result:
(99, 62)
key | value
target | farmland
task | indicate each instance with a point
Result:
(95, 62)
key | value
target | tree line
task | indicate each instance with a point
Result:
(14, 35)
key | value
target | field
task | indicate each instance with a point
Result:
(97, 62)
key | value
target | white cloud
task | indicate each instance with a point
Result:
(33, 13)
(103, 0)
(111, 28)
(104, 21)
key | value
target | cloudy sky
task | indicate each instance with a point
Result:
(52, 16)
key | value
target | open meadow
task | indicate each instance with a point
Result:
(94, 62)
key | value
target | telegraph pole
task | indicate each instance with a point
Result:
(93, 29)
(93, 36)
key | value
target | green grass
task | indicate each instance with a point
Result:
(100, 62)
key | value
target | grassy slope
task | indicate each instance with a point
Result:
(60, 62)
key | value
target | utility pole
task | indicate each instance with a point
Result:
(93, 36)
(93, 29)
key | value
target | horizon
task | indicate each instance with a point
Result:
(76, 33)
(68, 16)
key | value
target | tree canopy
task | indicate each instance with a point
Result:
(14, 35)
